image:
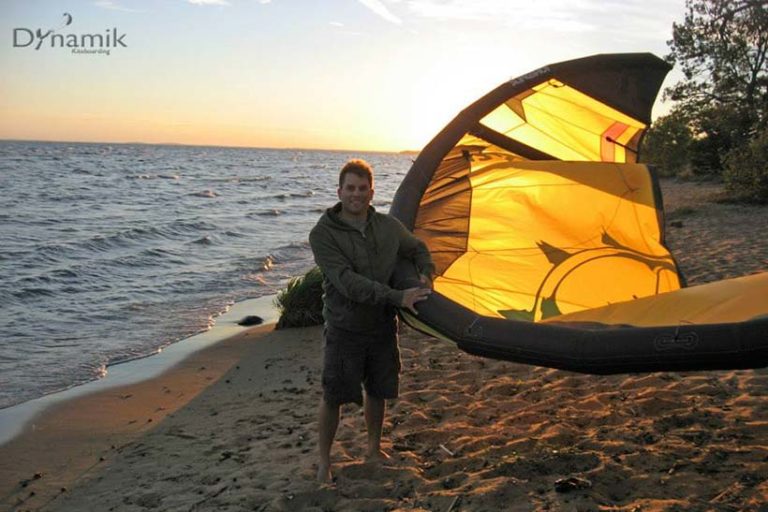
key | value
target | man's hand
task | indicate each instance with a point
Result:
(413, 295)
(425, 280)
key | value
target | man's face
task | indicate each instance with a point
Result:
(355, 194)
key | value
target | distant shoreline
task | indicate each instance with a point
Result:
(218, 146)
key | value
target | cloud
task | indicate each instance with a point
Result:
(208, 2)
(381, 10)
(551, 14)
(614, 16)
(336, 23)
(110, 4)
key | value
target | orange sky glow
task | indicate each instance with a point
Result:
(354, 74)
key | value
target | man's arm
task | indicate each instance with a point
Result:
(337, 269)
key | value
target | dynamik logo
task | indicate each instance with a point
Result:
(79, 43)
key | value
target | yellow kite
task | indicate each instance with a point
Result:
(548, 235)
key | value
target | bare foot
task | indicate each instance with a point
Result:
(377, 457)
(324, 474)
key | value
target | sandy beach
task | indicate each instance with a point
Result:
(233, 427)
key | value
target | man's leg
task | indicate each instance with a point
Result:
(374, 421)
(381, 382)
(328, 422)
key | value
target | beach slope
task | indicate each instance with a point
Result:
(468, 433)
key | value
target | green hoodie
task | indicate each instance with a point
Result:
(358, 265)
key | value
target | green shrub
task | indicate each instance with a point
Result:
(746, 170)
(667, 145)
(301, 302)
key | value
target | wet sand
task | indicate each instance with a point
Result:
(467, 433)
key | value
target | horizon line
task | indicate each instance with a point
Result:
(183, 144)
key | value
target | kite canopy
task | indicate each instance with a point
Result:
(548, 236)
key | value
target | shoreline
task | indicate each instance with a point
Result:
(66, 441)
(16, 418)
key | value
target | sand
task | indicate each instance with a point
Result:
(467, 433)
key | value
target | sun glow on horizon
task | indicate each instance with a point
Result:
(381, 76)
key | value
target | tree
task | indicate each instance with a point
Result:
(722, 49)
(746, 170)
(667, 144)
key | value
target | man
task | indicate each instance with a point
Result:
(357, 249)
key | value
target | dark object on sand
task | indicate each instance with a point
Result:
(572, 483)
(251, 320)
(548, 235)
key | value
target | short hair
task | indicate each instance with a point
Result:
(358, 167)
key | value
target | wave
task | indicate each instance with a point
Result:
(153, 177)
(155, 256)
(284, 196)
(281, 258)
(73, 199)
(205, 193)
(295, 251)
(48, 278)
(100, 243)
(271, 212)
(33, 293)
(257, 278)
(206, 240)
(191, 226)
(85, 172)
(121, 239)
(241, 179)
(99, 256)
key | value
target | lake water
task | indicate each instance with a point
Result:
(110, 252)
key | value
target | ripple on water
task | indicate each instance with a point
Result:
(114, 250)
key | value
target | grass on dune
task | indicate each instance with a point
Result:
(301, 302)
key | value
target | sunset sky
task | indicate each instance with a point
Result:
(329, 74)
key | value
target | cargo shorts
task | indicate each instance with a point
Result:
(353, 358)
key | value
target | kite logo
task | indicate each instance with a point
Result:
(473, 330)
(565, 263)
(79, 43)
(687, 341)
(530, 76)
